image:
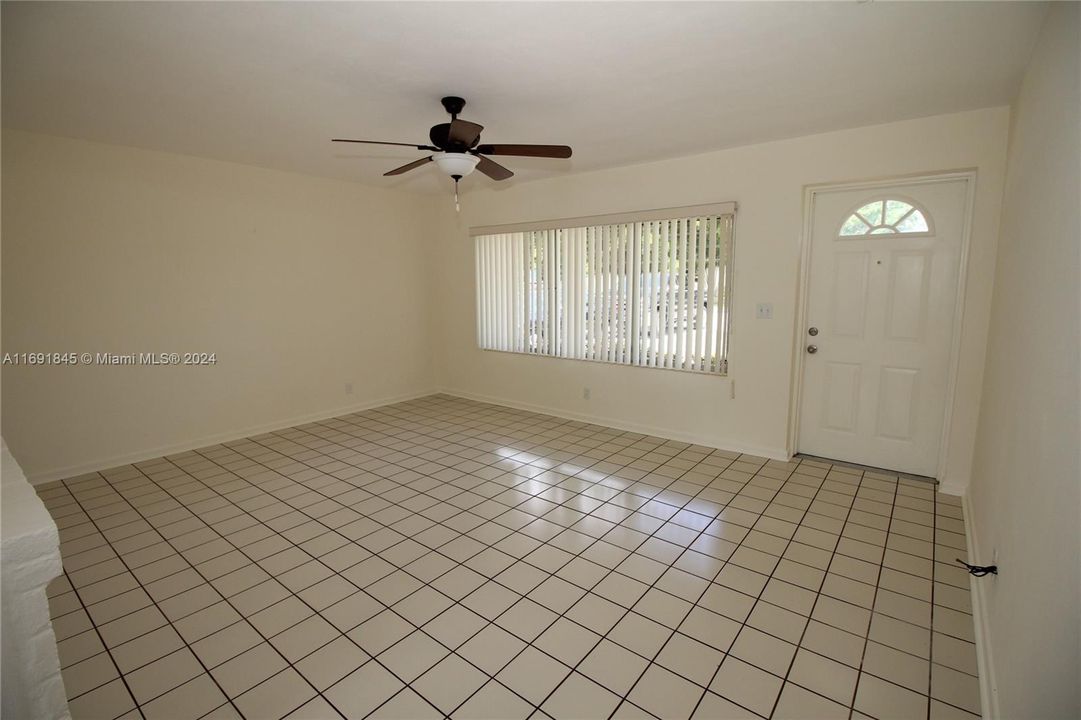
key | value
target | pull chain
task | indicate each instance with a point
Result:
(457, 206)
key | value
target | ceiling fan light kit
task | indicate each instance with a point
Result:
(457, 165)
(457, 152)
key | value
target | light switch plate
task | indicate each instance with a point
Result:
(764, 311)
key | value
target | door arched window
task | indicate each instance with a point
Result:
(887, 216)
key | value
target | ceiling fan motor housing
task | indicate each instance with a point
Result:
(440, 137)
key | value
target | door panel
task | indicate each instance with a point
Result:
(849, 293)
(906, 301)
(882, 295)
(897, 400)
(842, 394)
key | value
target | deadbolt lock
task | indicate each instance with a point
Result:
(812, 331)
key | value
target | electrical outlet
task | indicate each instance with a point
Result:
(763, 311)
(349, 388)
(586, 393)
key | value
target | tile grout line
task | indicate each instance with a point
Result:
(560, 615)
(628, 610)
(544, 543)
(240, 547)
(139, 705)
(150, 480)
(112, 659)
(818, 595)
(758, 599)
(780, 487)
(432, 440)
(874, 602)
(230, 700)
(931, 637)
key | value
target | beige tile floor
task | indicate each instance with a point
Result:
(443, 557)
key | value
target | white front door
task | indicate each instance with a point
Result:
(880, 321)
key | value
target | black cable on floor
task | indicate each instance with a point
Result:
(979, 570)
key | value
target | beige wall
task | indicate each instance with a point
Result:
(767, 181)
(299, 285)
(1025, 499)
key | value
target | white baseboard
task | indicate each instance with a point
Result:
(128, 458)
(978, 586)
(767, 452)
(61, 473)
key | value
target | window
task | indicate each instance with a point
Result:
(649, 289)
(888, 216)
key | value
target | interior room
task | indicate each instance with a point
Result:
(560, 361)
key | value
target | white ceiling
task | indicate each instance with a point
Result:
(268, 84)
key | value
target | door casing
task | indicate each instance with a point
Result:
(803, 294)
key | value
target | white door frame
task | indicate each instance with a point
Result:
(803, 293)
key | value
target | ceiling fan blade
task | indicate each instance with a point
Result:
(378, 142)
(546, 151)
(409, 166)
(493, 169)
(463, 132)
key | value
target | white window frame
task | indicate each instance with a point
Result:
(503, 326)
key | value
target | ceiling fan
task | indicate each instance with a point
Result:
(457, 152)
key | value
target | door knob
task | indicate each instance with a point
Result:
(812, 349)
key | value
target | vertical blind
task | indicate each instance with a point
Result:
(648, 292)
